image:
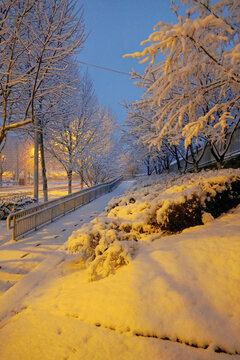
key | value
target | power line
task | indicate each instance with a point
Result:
(104, 68)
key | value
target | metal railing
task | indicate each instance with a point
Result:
(24, 221)
(208, 158)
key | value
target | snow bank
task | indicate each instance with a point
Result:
(182, 290)
(177, 298)
(149, 210)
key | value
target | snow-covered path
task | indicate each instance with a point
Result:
(19, 258)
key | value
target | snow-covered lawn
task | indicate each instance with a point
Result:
(161, 297)
(55, 189)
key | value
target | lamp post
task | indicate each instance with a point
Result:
(2, 160)
(36, 175)
(17, 163)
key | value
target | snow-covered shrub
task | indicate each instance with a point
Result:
(180, 214)
(114, 256)
(225, 197)
(176, 202)
(146, 212)
(101, 246)
(188, 211)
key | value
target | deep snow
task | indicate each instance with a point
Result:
(174, 294)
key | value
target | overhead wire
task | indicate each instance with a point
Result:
(104, 68)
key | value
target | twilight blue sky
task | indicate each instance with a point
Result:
(117, 27)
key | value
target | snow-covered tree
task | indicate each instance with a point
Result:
(197, 85)
(97, 160)
(36, 36)
(13, 23)
(136, 134)
(51, 107)
(80, 136)
(142, 132)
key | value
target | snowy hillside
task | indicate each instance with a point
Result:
(149, 211)
(126, 289)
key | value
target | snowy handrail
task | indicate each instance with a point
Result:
(24, 221)
(208, 158)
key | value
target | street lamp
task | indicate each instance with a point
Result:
(32, 152)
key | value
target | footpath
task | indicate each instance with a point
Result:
(17, 259)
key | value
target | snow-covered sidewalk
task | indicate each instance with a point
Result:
(19, 258)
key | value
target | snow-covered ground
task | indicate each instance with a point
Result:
(177, 297)
(55, 189)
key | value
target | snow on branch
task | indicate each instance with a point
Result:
(194, 91)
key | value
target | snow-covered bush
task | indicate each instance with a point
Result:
(102, 247)
(192, 209)
(148, 211)
(114, 256)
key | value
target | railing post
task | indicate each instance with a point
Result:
(14, 230)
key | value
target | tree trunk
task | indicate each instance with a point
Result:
(195, 162)
(167, 165)
(186, 160)
(82, 182)
(220, 163)
(69, 175)
(148, 170)
(177, 158)
(44, 171)
(195, 167)
(147, 163)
